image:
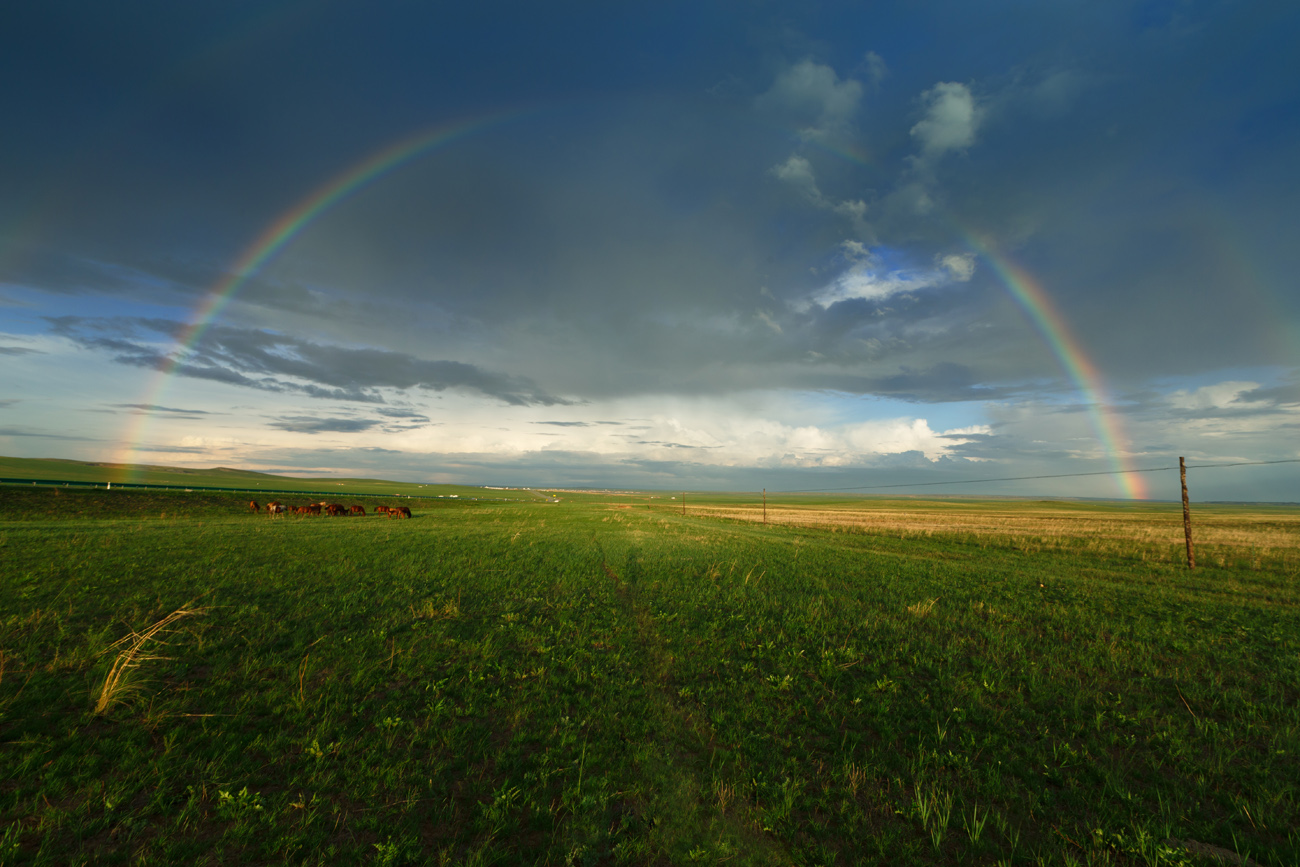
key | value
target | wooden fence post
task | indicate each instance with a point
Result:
(1187, 514)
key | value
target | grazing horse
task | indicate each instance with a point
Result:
(252, 506)
(335, 509)
(358, 510)
(313, 509)
(382, 510)
(399, 512)
(273, 509)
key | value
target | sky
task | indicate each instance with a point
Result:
(703, 245)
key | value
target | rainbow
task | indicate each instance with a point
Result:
(1037, 304)
(848, 151)
(1069, 352)
(276, 236)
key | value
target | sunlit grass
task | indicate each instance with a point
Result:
(134, 650)
(570, 683)
(1251, 537)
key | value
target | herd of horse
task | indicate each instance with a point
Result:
(276, 508)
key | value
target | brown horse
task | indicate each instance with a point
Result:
(399, 512)
(382, 510)
(358, 510)
(252, 506)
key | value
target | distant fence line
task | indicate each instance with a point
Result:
(158, 487)
(1049, 476)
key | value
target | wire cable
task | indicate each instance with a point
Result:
(1029, 478)
(1242, 464)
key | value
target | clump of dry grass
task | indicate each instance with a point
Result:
(922, 609)
(855, 776)
(137, 648)
(725, 794)
(428, 610)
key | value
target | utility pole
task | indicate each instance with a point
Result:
(1187, 514)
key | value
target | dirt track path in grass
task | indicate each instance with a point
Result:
(690, 808)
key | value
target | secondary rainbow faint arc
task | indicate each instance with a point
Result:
(283, 230)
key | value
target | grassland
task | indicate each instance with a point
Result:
(1255, 537)
(603, 680)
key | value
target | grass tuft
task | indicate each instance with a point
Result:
(922, 609)
(137, 649)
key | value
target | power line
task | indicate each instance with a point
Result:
(1241, 464)
(1029, 478)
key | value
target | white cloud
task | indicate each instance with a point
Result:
(1055, 93)
(766, 318)
(875, 67)
(864, 277)
(798, 173)
(1223, 395)
(816, 96)
(854, 209)
(960, 265)
(752, 430)
(895, 436)
(912, 198)
(951, 119)
(761, 441)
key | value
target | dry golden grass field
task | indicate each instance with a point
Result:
(1246, 536)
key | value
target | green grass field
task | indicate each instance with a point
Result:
(605, 681)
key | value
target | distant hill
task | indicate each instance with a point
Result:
(100, 473)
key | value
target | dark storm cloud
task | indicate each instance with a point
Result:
(1225, 400)
(277, 362)
(18, 350)
(187, 450)
(154, 408)
(670, 445)
(1257, 410)
(578, 423)
(943, 382)
(60, 272)
(396, 412)
(154, 278)
(1284, 393)
(40, 434)
(313, 425)
(587, 222)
